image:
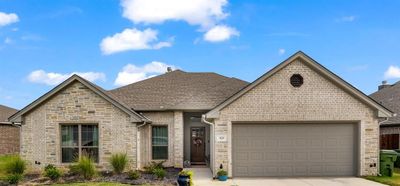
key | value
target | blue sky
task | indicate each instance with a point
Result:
(117, 42)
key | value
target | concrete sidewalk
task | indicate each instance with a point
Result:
(203, 177)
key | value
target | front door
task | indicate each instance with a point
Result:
(198, 145)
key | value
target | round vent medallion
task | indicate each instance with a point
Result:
(296, 80)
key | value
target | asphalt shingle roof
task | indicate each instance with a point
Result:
(178, 90)
(390, 98)
(6, 112)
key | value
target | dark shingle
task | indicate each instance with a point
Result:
(179, 90)
(6, 112)
(390, 98)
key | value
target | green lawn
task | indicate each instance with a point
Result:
(394, 181)
(3, 160)
(92, 184)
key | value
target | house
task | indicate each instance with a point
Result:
(388, 95)
(298, 119)
(9, 134)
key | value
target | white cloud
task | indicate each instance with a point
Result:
(132, 39)
(6, 19)
(132, 73)
(346, 19)
(52, 78)
(196, 12)
(220, 33)
(392, 72)
(281, 51)
(8, 40)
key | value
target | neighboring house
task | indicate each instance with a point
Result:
(389, 96)
(9, 134)
(298, 119)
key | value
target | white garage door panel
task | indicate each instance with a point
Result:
(293, 150)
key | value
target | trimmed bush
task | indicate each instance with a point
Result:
(14, 178)
(52, 172)
(153, 165)
(15, 165)
(119, 162)
(134, 174)
(159, 173)
(84, 167)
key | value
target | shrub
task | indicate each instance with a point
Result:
(134, 174)
(159, 173)
(119, 162)
(222, 173)
(52, 172)
(84, 167)
(14, 178)
(15, 165)
(154, 165)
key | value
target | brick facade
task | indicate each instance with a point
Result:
(318, 99)
(9, 139)
(174, 121)
(40, 132)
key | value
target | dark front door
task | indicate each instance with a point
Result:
(198, 145)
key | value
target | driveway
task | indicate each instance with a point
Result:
(305, 181)
(203, 177)
(331, 181)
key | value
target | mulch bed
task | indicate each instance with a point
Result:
(145, 178)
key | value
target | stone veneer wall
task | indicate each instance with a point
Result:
(40, 132)
(318, 99)
(174, 121)
(9, 139)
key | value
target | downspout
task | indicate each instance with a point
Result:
(204, 120)
(138, 141)
(379, 144)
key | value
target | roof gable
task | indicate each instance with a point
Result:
(382, 111)
(135, 117)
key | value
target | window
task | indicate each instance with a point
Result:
(160, 142)
(78, 140)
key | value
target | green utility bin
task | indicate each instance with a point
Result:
(388, 157)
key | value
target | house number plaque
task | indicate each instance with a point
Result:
(221, 138)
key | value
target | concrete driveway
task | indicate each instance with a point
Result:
(203, 177)
(331, 181)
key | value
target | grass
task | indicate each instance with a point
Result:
(393, 181)
(92, 184)
(3, 160)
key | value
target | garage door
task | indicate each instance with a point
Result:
(293, 150)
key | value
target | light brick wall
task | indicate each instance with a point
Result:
(40, 133)
(174, 121)
(318, 99)
(178, 139)
(9, 139)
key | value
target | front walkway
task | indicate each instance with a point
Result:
(203, 177)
